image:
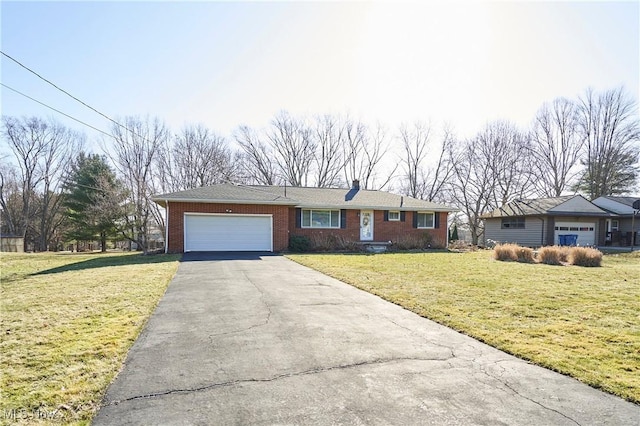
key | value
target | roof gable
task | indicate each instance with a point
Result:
(577, 204)
(564, 205)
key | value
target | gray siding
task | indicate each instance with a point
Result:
(625, 224)
(530, 236)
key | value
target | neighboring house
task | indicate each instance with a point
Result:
(541, 222)
(229, 217)
(622, 224)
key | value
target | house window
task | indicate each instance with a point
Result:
(425, 220)
(615, 225)
(394, 216)
(513, 223)
(321, 218)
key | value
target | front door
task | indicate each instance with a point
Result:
(366, 225)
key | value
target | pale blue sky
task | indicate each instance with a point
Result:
(232, 63)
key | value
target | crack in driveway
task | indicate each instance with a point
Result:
(506, 384)
(317, 370)
(251, 327)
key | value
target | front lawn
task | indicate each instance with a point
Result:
(67, 321)
(584, 322)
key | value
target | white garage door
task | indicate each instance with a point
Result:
(212, 232)
(585, 231)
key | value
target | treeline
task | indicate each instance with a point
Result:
(51, 191)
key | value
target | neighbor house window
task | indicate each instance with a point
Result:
(425, 220)
(513, 223)
(321, 218)
(615, 225)
(394, 215)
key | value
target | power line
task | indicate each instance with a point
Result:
(58, 111)
(70, 95)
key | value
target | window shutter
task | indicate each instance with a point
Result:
(298, 218)
(436, 220)
(402, 216)
(415, 219)
(386, 215)
(343, 219)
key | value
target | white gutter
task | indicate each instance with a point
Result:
(166, 227)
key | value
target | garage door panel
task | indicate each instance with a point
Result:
(584, 230)
(228, 232)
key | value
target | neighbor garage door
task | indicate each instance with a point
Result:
(586, 232)
(211, 232)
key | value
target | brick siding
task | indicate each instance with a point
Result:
(178, 209)
(284, 223)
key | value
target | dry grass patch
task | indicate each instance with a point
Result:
(67, 323)
(585, 256)
(552, 255)
(505, 252)
(583, 322)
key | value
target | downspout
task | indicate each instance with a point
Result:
(166, 227)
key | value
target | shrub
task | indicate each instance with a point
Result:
(584, 256)
(299, 243)
(563, 252)
(331, 242)
(460, 245)
(524, 254)
(412, 242)
(550, 255)
(505, 252)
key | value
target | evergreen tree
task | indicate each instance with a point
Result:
(454, 233)
(94, 200)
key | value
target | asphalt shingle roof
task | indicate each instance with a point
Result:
(575, 204)
(301, 197)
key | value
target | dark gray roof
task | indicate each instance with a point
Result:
(558, 206)
(225, 193)
(302, 197)
(619, 205)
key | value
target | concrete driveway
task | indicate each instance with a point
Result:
(249, 339)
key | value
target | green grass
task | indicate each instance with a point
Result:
(66, 324)
(583, 322)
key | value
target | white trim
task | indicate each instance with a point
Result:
(433, 221)
(166, 228)
(320, 210)
(372, 220)
(184, 227)
(389, 216)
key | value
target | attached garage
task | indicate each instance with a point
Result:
(586, 232)
(228, 232)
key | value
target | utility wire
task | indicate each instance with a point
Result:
(58, 111)
(70, 95)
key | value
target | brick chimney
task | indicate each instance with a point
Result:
(355, 184)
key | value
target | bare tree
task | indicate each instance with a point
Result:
(135, 144)
(471, 186)
(329, 133)
(555, 147)
(364, 150)
(489, 171)
(415, 142)
(293, 148)
(43, 150)
(10, 200)
(196, 157)
(257, 162)
(505, 151)
(425, 175)
(610, 127)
